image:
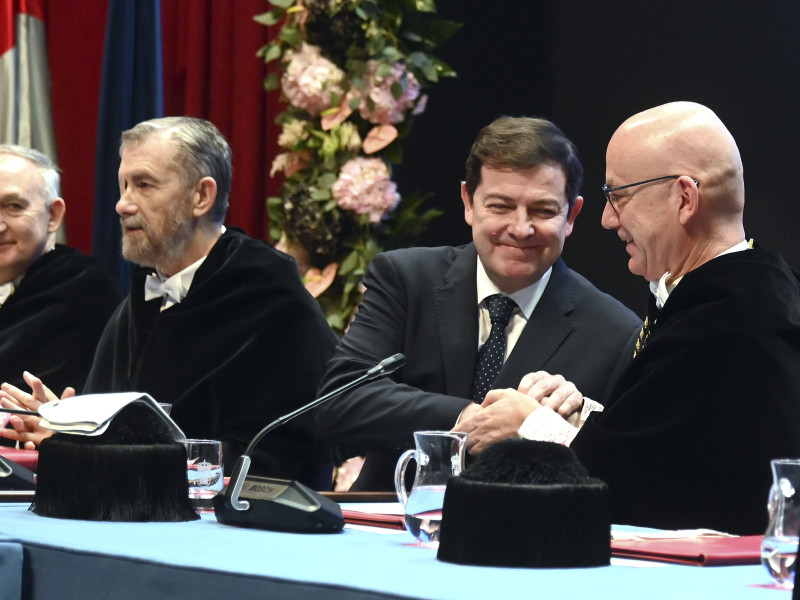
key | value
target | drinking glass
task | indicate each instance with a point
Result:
(204, 471)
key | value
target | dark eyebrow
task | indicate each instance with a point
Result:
(15, 198)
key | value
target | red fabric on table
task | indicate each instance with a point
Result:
(26, 458)
(700, 551)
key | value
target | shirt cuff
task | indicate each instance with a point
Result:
(545, 425)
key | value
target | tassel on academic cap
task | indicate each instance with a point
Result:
(127, 465)
(523, 503)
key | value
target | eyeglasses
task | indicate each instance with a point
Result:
(608, 192)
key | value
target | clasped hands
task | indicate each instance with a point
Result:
(26, 429)
(503, 410)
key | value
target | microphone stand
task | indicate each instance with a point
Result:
(281, 504)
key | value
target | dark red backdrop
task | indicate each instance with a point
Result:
(210, 71)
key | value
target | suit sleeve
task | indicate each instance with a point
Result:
(394, 316)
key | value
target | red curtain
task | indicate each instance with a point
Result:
(210, 71)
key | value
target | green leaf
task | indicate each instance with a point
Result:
(273, 51)
(327, 180)
(384, 70)
(349, 263)
(336, 322)
(320, 194)
(272, 17)
(434, 32)
(431, 72)
(282, 3)
(273, 201)
(392, 54)
(354, 103)
(291, 35)
(442, 68)
(427, 6)
(274, 232)
(420, 60)
(397, 90)
(272, 82)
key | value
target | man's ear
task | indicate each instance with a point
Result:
(690, 199)
(56, 215)
(573, 214)
(205, 193)
(467, 203)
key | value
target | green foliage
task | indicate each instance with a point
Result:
(367, 41)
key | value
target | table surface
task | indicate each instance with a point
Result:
(202, 559)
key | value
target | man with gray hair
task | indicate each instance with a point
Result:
(217, 324)
(54, 300)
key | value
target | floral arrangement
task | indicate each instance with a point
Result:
(353, 74)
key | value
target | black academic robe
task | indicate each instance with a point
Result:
(694, 420)
(51, 324)
(246, 345)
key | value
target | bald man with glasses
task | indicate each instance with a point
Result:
(712, 393)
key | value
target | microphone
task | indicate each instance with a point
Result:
(279, 504)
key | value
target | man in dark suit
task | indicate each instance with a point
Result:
(217, 324)
(713, 393)
(521, 199)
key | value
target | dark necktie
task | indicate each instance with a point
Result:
(493, 352)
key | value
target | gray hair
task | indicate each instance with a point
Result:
(202, 151)
(51, 179)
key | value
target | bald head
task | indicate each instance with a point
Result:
(685, 138)
(681, 196)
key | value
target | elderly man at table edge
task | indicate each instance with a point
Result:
(48, 291)
(713, 391)
(521, 199)
(217, 323)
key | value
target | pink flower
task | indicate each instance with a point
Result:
(364, 186)
(310, 79)
(387, 109)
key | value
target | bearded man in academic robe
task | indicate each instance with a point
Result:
(217, 324)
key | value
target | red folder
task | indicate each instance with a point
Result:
(385, 521)
(699, 551)
(26, 458)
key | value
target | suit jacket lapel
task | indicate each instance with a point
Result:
(545, 332)
(457, 322)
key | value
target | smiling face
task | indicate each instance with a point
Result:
(647, 221)
(27, 226)
(519, 222)
(155, 205)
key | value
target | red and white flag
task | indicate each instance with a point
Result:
(25, 115)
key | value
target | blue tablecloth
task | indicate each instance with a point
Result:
(10, 569)
(204, 559)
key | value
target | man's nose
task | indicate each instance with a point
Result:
(124, 205)
(610, 218)
(522, 224)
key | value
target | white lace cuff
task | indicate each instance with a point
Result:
(546, 425)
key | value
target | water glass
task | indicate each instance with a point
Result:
(204, 471)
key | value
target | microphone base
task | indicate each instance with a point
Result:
(280, 505)
(15, 477)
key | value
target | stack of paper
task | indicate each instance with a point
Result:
(92, 413)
